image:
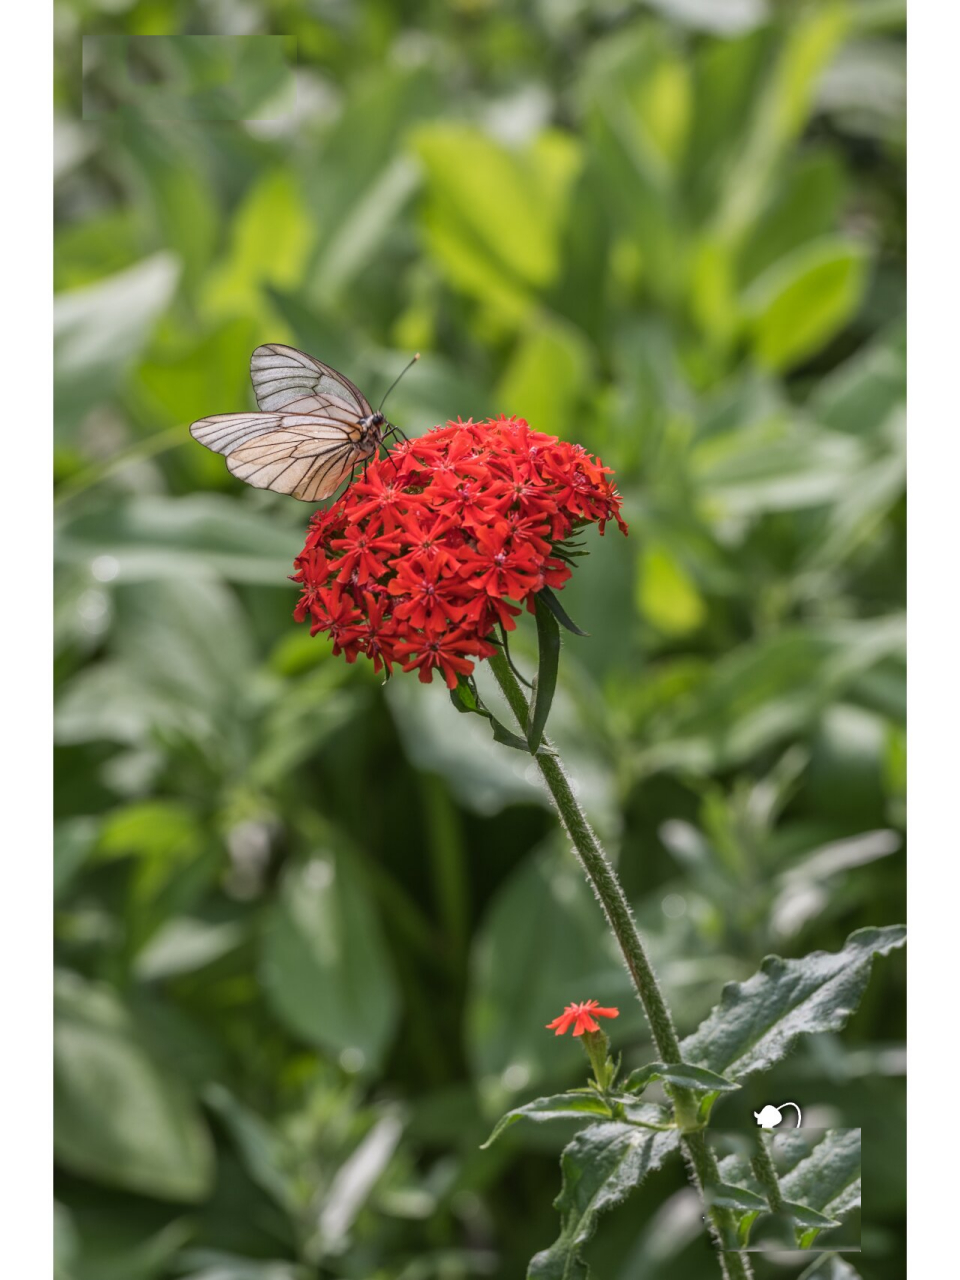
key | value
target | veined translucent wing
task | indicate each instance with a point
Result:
(307, 455)
(285, 378)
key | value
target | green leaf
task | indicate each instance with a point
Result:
(184, 945)
(757, 1021)
(271, 238)
(729, 1196)
(738, 1172)
(600, 1167)
(360, 236)
(860, 394)
(159, 537)
(122, 1118)
(556, 608)
(830, 1267)
(559, 1106)
(696, 1078)
(73, 841)
(767, 691)
(779, 112)
(183, 670)
(493, 216)
(100, 329)
(667, 594)
(636, 93)
(97, 247)
(548, 639)
(325, 966)
(775, 465)
(804, 300)
(361, 176)
(213, 1265)
(176, 185)
(266, 1154)
(546, 377)
(719, 17)
(804, 1216)
(825, 1179)
(126, 1246)
(806, 207)
(65, 1243)
(503, 735)
(178, 384)
(465, 699)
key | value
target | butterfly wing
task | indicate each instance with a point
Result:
(306, 455)
(285, 378)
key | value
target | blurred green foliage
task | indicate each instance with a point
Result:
(309, 930)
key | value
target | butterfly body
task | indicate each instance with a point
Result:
(371, 432)
(312, 428)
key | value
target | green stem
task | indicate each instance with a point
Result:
(601, 874)
(765, 1172)
(609, 891)
(721, 1222)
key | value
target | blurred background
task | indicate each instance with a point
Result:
(309, 929)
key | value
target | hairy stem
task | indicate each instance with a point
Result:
(601, 874)
(766, 1173)
(700, 1158)
(721, 1222)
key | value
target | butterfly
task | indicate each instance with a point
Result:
(313, 427)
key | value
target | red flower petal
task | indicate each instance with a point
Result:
(583, 1015)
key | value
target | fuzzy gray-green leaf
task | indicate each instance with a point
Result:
(729, 1196)
(757, 1021)
(600, 1167)
(699, 1079)
(825, 1178)
(559, 1106)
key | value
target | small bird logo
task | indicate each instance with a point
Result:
(770, 1116)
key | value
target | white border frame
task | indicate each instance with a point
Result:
(26, 537)
(933, 627)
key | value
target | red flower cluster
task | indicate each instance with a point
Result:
(416, 563)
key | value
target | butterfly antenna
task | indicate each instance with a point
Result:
(397, 379)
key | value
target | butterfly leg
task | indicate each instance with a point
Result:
(389, 455)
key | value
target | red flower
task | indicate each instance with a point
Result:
(426, 596)
(312, 571)
(446, 654)
(337, 613)
(444, 539)
(380, 494)
(501, 565)
(582, 1017)
(361, 554)
(377, 637)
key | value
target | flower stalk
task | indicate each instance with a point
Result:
(597, 1048)
(600, 873)
(701, 1160)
